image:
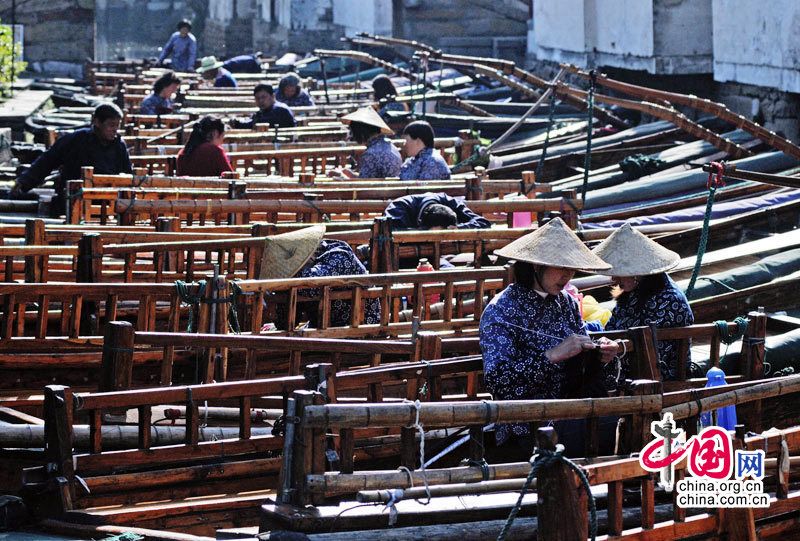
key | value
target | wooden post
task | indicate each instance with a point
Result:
(467, 146)
(569, 214)
(528, 182)
(125, 217)
(172, 261)
(308, 450)
(74, 202)
(637, 426)
(752, 363)
(117, 366)
(474, 188)
(59, 441)
(313, 216)
(562, 510)
(89, 271)
(738, 523)
(320, 377)
(236, 190)
(87, 174)
(381, 247)
(306, 179)
(644, 363)
(34, 236)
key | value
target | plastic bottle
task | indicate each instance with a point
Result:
(425, 266)
(726, 415)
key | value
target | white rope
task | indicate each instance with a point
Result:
(421, 431)
(396, 495)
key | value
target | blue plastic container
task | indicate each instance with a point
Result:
(726, 416)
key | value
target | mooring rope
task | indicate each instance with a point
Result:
(541, 460)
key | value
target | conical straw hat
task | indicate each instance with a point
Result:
(631, 253)
(285, 254)
(553, 245)
(209, 63)
(368, 115)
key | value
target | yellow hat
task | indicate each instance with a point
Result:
(553, 245)
(368, 115)
(285, 254)
(631, 253)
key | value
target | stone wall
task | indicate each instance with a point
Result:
(473, 27)
(55, 31)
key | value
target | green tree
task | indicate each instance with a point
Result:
(10, 67)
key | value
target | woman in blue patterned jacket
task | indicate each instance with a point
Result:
(530, 330)
(645, 294)
(424, 162)
(306, 254)
(381, 159)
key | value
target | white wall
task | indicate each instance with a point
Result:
(559, 26)
(372, 16)
(220, 10)
(659, 36)
(757, 46)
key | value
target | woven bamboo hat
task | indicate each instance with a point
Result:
(285, 254)
(631, 253)
(368, 115)
(554, 245)
(209, 63)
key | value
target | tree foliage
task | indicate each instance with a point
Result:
(10, 67)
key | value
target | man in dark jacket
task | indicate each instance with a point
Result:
(269, 111)
(432, 210)
(99, 146)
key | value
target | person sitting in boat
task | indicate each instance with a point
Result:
(160, 101)
(644, 293)
(270, 111)
(432, 211)
(424, 162)
(182, 47)
(98, 146)
(292, 93)
(531, 331)
(211, 69)
(306, 254)
(245, 63)
(381, 159)
(385, 94)
(203, 155)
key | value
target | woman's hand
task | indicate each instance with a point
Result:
(608, 349)
(571, 346)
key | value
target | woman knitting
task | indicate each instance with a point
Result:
(530, 331)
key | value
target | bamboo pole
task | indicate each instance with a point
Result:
(458, 489)
(472, 413)
(670, 115)
(719, 110)
(780, 387)
(118, 436)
